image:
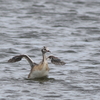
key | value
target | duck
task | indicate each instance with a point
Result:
(38, 70)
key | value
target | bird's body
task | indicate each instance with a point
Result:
(39, 71)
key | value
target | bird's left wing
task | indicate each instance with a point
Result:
(56, 60)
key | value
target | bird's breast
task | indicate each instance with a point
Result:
(40, 71)
(45, 66)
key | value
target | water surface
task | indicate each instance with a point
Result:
(70, 29)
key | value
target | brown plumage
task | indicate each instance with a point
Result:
(15, 59)
(56, 60)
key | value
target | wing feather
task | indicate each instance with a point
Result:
(56, 60)
(19, 58)
(15, 59)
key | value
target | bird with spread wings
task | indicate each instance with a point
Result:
(41, 69)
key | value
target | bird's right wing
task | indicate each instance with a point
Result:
(19, 58)
(15, 59)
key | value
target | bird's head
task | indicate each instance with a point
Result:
(45, 49)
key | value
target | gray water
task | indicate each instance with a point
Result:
(71, 31)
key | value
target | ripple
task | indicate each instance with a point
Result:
(70, 29)
(87, 28)
(84, 17)
(26, 91)
(29, 35)
(79, 2)
(53, 96)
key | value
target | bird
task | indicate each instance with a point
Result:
(38, 70)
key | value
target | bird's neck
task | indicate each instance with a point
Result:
(44, 57)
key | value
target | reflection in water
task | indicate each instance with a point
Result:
(41, 80)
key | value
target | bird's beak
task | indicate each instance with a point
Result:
(48, 51)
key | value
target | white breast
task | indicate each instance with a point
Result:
(40, 73)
